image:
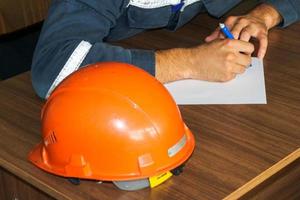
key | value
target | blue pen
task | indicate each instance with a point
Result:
(226, 31)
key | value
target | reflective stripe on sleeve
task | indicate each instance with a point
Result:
(150, 4)
(72, 64)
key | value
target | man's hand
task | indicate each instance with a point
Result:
(255, 24)
(220, 60)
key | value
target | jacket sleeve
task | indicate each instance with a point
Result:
(69, 25)
(288, 9)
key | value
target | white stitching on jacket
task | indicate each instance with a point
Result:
(72, 64)
(150, 4)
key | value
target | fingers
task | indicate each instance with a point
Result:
(237, 63)
(245, 27)
(230, 21)
(214, 35)
(240, 46)
(236, 25)
(263, 45)
(237, 69)
(230, 72)
(246, 34)
(237, 29)
(243, 60)
(252, 31)
(227, 77)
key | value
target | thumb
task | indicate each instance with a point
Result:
(214, 35)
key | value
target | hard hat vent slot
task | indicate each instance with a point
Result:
(51, 138)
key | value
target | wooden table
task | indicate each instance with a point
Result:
(234, 143)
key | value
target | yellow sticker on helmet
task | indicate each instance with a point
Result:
(157, 180)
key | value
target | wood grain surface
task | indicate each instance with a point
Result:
(13, 188)
(263, 183)
(283, 185)
(234, 143)
(18, 14)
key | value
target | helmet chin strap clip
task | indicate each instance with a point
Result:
(74, 181)
(178, 170)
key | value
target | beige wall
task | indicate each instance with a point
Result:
(17, 14)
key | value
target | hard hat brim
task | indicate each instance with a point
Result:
(39, 158)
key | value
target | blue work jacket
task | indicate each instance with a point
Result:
(76, 31)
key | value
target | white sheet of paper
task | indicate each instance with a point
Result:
(247, 88)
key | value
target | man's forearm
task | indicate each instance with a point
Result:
(217, 61)
(268, 14)
(169, 65)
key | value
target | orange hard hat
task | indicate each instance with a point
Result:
(112, 122)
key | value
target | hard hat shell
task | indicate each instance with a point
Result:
(111, 121)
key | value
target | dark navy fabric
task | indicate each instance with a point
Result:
(97, 21)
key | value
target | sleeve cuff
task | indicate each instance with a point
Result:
(100, 52)
(286, 10)
(144, 59)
